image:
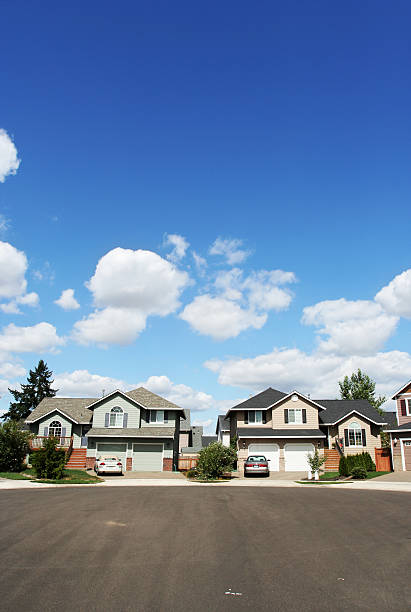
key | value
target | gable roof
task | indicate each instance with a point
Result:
(336, 410)
(72, 407)
(150, 400)
(401, 390)
(223, 424)
(185, 423)
(265, 399)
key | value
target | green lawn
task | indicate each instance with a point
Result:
(335, 475)
(70, 477)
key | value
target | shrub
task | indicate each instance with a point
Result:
(215, 460)
(315, 461)
(14, 446)
(360, 460)
(192, 473)
(359, 473)
(343, 468)
(49, 462)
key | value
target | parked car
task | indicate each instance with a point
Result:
(109, 465)
(256, 464)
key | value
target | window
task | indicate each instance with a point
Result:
(255, 416)
(156, 416)
(116, 417)
(354, 435)
(409, 406)
(295, 415)
(55, 429)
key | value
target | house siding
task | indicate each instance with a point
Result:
(241, 415)
(278, 421)
(406, 395)
(372, 433)
(99, 412)
(398, 449)
(55, 416)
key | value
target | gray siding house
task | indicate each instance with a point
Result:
(140, 427)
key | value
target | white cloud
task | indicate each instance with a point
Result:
(230, 249)
(82, 383)
(37, 338)
(128, 286)
(219, 317)
(13, 266)
(10, 308)
(353, 327)
(67, 301)
(28, 299)
(9, 162)
(200, 263)
(179, 244)
(207, 423)
(182, 395)
(11, 370)
(4, 224)
(316, 374)
(395, 297)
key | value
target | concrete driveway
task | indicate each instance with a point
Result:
(151, 549)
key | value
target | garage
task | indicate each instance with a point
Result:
(270, 451)
(117, 450)
(295, 457)
(147, 457)
(407, 454)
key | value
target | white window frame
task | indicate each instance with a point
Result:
(156, 414)
(357, 435)
(257, 416)
(118, 414)
(52, 426)
(295, 412)
(408, 406)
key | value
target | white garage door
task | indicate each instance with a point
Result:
(295, 456)
(270, 451)
(147, 457)
(117, 450)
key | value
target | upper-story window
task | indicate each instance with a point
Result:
(295, 415)
(116, 417)
(156, 416)
(405, 407)
(257, 417)
(55, 429)
(354, 435)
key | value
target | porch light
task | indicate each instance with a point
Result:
(395, 441)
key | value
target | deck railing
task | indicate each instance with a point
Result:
(186, 463)
(65, 442)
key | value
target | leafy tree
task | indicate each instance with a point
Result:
(38, 387)
(315, 461)
(49, 462)
(215, 460)
(14, 446)
(360, 386)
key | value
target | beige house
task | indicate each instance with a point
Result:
(286, 426)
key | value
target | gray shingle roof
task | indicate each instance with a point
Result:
(338, 409)
(261, 400)
(223, 423)
(150, 400)
(390, 417)
(403, 427)
(206, 440)
(73, 407)
(142, 432)
(267, 432)
(185, 424)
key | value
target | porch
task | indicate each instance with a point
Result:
(63, 442)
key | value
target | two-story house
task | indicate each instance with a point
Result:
(286, 426)
(140, 427)
(401, 435)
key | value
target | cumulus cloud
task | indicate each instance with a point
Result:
(395, 297)
(358, 327)
(32, 339)
(67, 301)
(9, 162)
(82, 383)
(128, 286)
(28, 299)
(182, 395)
(316, 374)
(200, 263)
(179, 244)
(13, 266)
(230, 248)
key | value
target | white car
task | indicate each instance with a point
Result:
(108, 465)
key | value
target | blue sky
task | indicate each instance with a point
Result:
(224, 188)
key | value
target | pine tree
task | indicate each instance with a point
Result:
(360, 386)
(38, 386)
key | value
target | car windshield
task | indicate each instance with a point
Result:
(108, 459)
(257, 458)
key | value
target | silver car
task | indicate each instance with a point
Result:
(256, 464)
(108, 465)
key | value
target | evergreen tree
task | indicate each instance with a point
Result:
(38, 386)
(360, 386)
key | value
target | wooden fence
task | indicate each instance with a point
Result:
(383, 460)
(186, 463)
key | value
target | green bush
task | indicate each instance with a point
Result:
(360, 460)
(359, 473)
(14, 446)
(49, 462)
(215, 460)
(343, 468)
(192, 473)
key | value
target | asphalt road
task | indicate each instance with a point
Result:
(170, 548)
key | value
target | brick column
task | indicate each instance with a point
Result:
(129, 464)
(90, 461)
(167, 465)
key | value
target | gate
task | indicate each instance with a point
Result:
(383, 459)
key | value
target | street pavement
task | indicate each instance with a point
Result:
(204, 549)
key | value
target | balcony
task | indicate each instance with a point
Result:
(64, 442)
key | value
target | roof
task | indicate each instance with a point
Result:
(185, 423)
(265, 399)
(72, 407)
(401, 389)
(129, 432)
(390, 418)
(222, 423)
(150, 400)
(336, 410)
(206, 440)
(267, 432)
(403, 427)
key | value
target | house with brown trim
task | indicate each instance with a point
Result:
(401, 434)
(138, 426)
(286, 426)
